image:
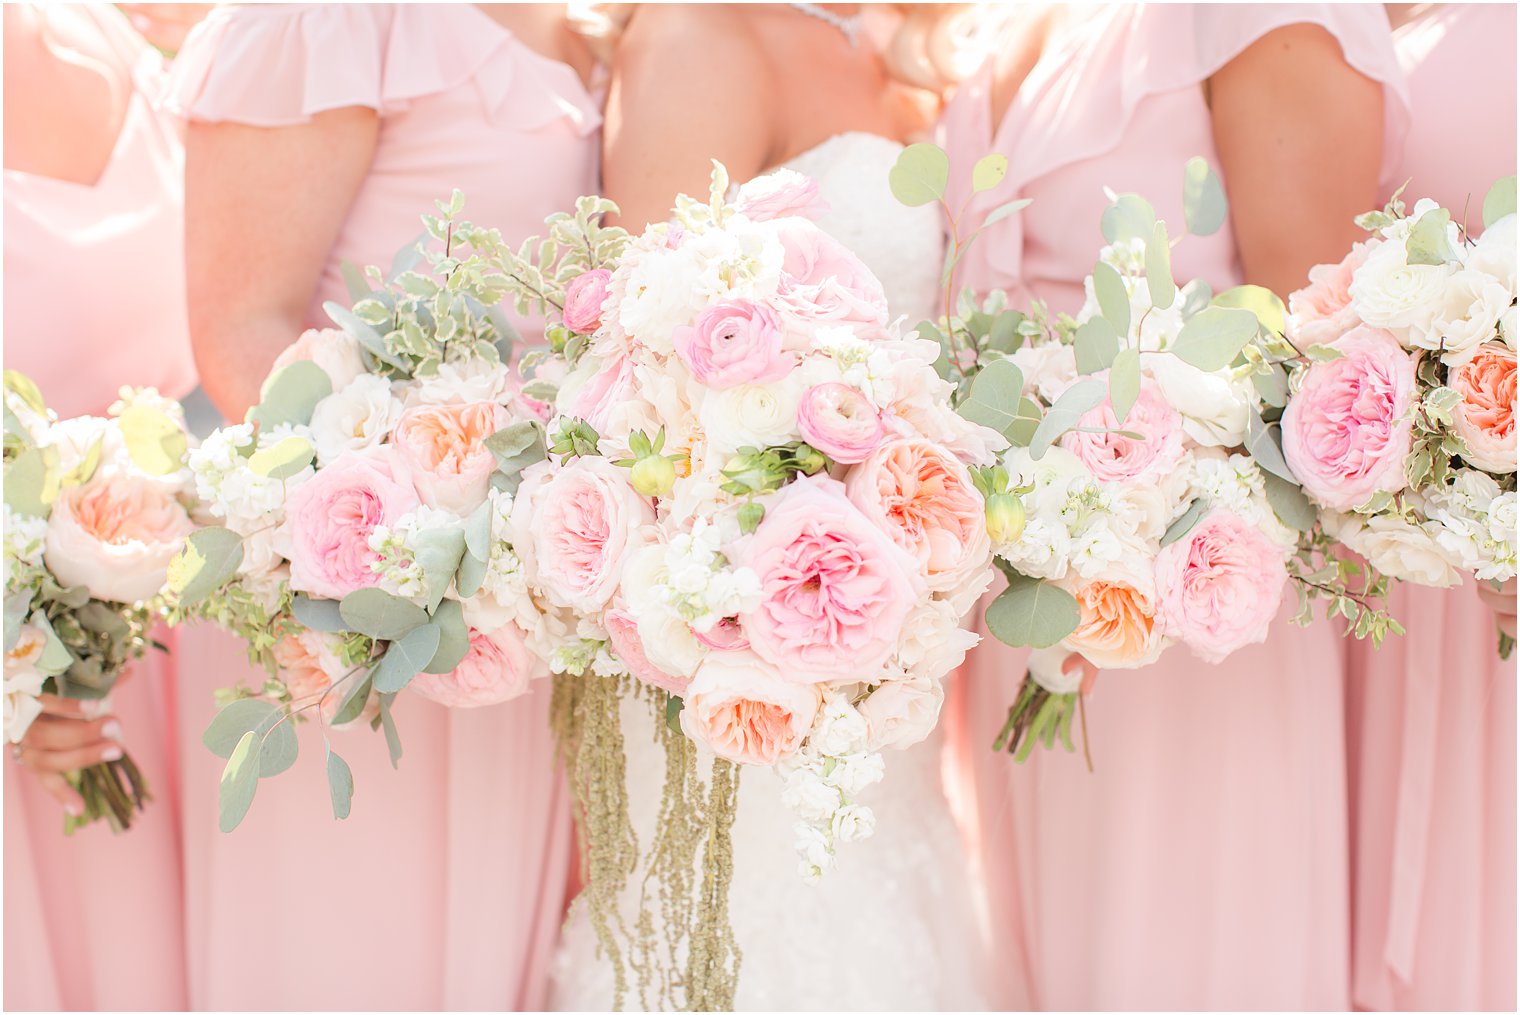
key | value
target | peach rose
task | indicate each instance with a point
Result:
(443, 450)
(336, 352)
(744, 711)
(1118, 629)
(309, 665)
(115, 536)
(1321, 312)
(1485, 418)
(498, 667)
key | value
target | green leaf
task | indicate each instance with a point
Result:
(1264, 442)
(156, 443)
(381, 615)
(291, 394)
(24, 388)
(1023, 429)
(1032, 612)
(1158, 268)
(516, 447)
(340, 784)
(81, 473)
(1429, 241)
(240, 780)
(1073, 404)
(453, 638)
(1184, 524)
(1272, 386)
(283, 460)
(1124, 383)
(920, 175)
(1289, 503)
(1129, 217)
(1096, 344)
(988, 172)
(317, 614)
(1499, 202)
(392, 736)
(1113, 298)
(353, 279)
(207, 561)
(993, 399)
(56, 657)
(352, 706)
(279, 744)
(1203, 201)
(1003, 336)
(439, 551)
(365, 333)
(406, 657)
(673, 706)
(1259, 300)
(1213, 337)
(1002, 211)
(31, 481)
(17, 604)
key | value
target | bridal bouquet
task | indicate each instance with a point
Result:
(95, 508)
(364, 511)
(1401, 419)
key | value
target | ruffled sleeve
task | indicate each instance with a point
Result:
(277, 65)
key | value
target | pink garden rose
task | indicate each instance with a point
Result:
(328, 520)
(1321, 312)
(834, 587)
(727, 635)
(1485, 418)
(1347, 431)
(731, 343)
(745, 711)
(780, 194)
(573, 524)
(824, 283)
(443, 449)
(1219, 587)
(497, 668)
(623, 632)
(1115, 458)
(584, 297)
(841, 422)
(115, 536)
(336, 352)
(602, 392)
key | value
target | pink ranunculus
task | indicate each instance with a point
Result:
(498, 667)
(1219, 586)
(1115, 458)
(737, 342)
(1348, 430)
(923, 497)
(841, 422)
(824, 283)
(1321, 312)
(115, 535)
(623, 632)
(328, 520)
(573, 524)
(584, 297)
(834, 587)
(781, 194)
(336, 352)
(1485, 417)
(745, 711)
(443, 449)
(309, 665)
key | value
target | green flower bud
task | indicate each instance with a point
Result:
(1005, 518)
(653, 476)
(809, 459)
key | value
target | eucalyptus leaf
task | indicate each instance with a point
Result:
(920, 175)
(207, 561)
(291, 394)
(1023, 429)
(1113, 298)
(1129, 217)
(470, 576)
(1499, 202)
(439, 551)
(340, 784)
(380, 614)
(1096, 344)
(1429, 239)
(278, 742)
(1195, 296)
(317, 614)
(1073, 404)
(1004, 335)
(352, 706)
(1002, 211)
(1032, 612)
(1264, 442)
(353, 280)
(1124, 383)
(17, 603)
(517, 446)
(406, 657)
(477, 531)
(1184, 524)
(284, 459)
(1272, 386)
(32, 482)
(80, 474)
(1259, 300)
(674, 704)
(988, 172)
(365, 333)
(453, 638)
(240, 780)
(1158, 268)
(1289, 502)
(1213, 337)
(56, 657)
(1203, 201)
(993, 399)
(392, 735)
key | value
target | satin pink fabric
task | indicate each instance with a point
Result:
(445, 887)
(1204, 863)
(1431, 715)
(95, 920)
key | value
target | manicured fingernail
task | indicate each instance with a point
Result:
(74, 809)
(111, 731)
(111, 753)
(96, 708)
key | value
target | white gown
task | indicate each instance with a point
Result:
(894, 926)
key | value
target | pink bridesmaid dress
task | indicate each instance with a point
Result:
(445, 887)
(94, 299)
(1204, 863)
(1431, 715)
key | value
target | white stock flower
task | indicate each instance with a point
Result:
(852, 822)
(839, 728)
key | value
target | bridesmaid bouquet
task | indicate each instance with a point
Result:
(1399, 364)
(95, 509)
(364, 506)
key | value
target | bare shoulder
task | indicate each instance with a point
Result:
(693, 43)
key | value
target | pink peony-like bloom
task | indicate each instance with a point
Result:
(572, 527)
(841, 422)
(834, 587)
(731, 343)
(824, 283)
(623, 632)
(443, 450)
(745, 711)
(1321, 312)
(336, 352)
(1347, 431)
(498, 667)
(328, 521)
(1115, 458)
(780, 194)
(1485, 418)
(115, 536)
(584, 297)
(1218, 587)
(923, 497)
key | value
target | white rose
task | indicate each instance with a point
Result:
(1388, 292)
(336, 352)
(901, 713)
(1397, 548)
(1495, 253)
(1045, 669)
(1214, 408)
(359, 416)
(758, 415)
(1507, 323)
(1466, 315)
(932, 641)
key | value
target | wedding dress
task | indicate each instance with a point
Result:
(895, 925)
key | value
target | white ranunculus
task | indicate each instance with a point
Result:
(932, 642)
(1495, 253)
(1214, 407)
(476, 379)
(1389, 292)
(758, 415)
(358, 417)
(901, 713)
(1398, 548)
(1466, 314)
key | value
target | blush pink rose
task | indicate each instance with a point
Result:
(1347, 431)
(584, 297)
(780, 194)
(727, 635)
(336, 352)
(923, 497)
(1115, 458)
(115, 536)
(1321, 312)
(1485, 418)
(744, 711)
(835, 588)
(498, 667)
(623, 632)
(840, 421)
(824, 283)
(443, 449)
(573, 525)
(737, 342)
(606, 389)
(328, 521)
(1218, 587)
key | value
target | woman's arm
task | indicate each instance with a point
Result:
(263, 207)
(1300, 140)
